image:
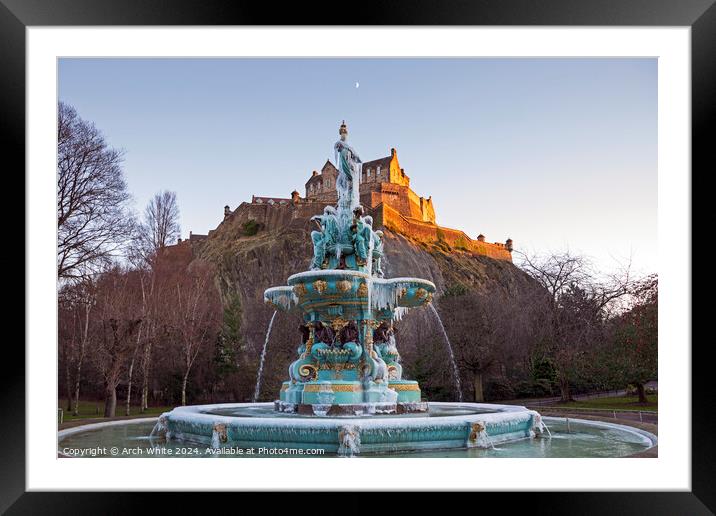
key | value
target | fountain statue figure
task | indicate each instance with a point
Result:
(349, 167)
(325, 237)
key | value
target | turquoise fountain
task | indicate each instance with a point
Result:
(348, 363)
(345, 392)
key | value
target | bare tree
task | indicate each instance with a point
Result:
(66, 340)
(161, 220)
(79, 298)
(195, 316)
(580, 302)
(118, 323)
(486, 331)
(93, 221)
(144, 324)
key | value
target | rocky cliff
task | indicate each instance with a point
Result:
(257, 247)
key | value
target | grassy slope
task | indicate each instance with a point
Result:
(615, 403)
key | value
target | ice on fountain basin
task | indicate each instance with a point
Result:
(385, 294)
(539, 425)
(283, 297)
(399, 313)
(324, 272)
(414, 406)
(321, 409)
(285, 406)
(348, 441)
(160, 429)
(510, 423)
(201, 413)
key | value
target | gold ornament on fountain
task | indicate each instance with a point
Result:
(337, 324)
(320, 286)
(309, 343)
(299, 289)
(308, 372)
(475, 430)
(343, 285)
(363, 290)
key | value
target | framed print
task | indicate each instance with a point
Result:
(453, 242)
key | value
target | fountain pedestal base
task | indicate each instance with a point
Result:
(344, 397)
(356, 409)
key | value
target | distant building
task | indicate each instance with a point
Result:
(382, 181)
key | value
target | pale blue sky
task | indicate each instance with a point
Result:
(553, 153)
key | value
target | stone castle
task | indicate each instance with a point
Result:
(386, 195)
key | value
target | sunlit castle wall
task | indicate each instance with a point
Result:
(418, 230)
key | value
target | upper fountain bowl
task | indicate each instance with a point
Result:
(331, 293)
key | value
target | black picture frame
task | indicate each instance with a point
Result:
(700, 15)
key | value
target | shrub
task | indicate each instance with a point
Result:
(250, 227)
(456, 289)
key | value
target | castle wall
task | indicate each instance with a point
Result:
(397, 175)
(274, 217)
(430, 233)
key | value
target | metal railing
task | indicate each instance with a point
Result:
(650, 414)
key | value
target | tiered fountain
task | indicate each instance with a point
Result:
(348, 362)
(346, 390)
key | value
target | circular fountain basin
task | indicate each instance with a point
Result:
(457, 425)
(580, 438)
(447, 427)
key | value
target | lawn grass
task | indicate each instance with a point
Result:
(95, 409)
(615, 403)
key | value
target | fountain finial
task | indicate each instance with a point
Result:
(343, 129)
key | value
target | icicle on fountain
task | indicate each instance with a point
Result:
(348, 365)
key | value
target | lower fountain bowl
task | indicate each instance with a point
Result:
(566, 437)
(443, 426)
